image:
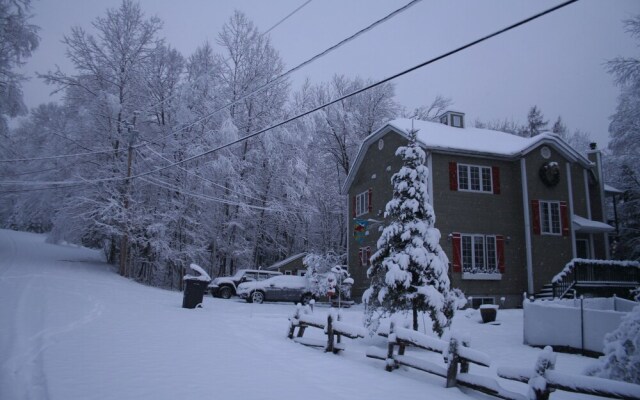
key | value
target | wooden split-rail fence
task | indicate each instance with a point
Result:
(542, 379)
(331, 325)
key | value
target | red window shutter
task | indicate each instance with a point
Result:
(564, 218)
(456, 244)
(370, 199)
(535, 211)
(368, 256)
(354, 206)
(453, 175)
(495, 173)
(500, 252)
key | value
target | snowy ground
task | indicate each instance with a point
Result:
(70, 328)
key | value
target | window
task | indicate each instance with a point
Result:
(476, 302)
(456, 120)
(364, 254)
(362, 203)
(287, 272)
(479, 254)
(475, 178)
(550, 217)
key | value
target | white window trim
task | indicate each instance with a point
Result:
(480, 275)
(480, 167)
(549, 220)
(365, 203)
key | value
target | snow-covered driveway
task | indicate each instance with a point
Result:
(70, 328)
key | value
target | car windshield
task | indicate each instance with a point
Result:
(239, 273)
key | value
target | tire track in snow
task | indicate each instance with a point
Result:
(26, 365)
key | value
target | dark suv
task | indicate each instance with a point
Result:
(225, 287)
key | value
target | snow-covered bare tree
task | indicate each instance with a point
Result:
(106, 87)
(409, 269)
(18, 40)
(624, 134)
(432, 112)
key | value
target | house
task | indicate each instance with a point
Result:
(512, 211)
(290, 266)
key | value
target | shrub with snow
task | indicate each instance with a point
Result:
(621, 360)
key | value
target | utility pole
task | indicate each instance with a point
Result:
(124, 244)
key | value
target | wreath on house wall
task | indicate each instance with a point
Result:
(550, 173)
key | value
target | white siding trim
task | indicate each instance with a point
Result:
(571, 230)
(430, 183)
(527, 225)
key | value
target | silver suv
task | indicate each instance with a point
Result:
(225, 287)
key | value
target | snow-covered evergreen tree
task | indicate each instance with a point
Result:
(535, 122)
(621, 360)
(409, 270)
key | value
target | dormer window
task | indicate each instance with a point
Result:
(453, 118)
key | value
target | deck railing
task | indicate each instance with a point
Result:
(582, 272)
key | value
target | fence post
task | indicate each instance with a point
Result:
(329, 334)
(293, 322)
(464, 364)
(582, 323)
(391, 364)
(452, 370)
(538, 384)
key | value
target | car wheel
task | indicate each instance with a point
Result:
(226, 292)
(306, 298)
(257, 297)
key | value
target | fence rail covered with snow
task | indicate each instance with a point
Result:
(457, 354)
(331, 325)
(565, 323)
(542, 380)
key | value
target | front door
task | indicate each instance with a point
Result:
(582, 249)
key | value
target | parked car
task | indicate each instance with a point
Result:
(279, 288)
(225, 287)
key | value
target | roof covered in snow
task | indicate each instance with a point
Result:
(435, 136)
(286, 261)
(584, 225)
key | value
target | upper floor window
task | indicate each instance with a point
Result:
(362, 203)
(550, 217)
(474, 178)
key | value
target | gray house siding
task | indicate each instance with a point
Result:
(483, 213)
(555, 251)
(466, 212)
(375, 173)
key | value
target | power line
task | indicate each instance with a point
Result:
(150, 107)
(282, 20)
(301, 65)
(202, 177)
(63, 156)
(268, 84)
(368, 87)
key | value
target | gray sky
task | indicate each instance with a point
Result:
(555, 62)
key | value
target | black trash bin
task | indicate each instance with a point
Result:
(193, 292)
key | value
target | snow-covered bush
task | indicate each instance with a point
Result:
(326, 274)
(621, 360)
